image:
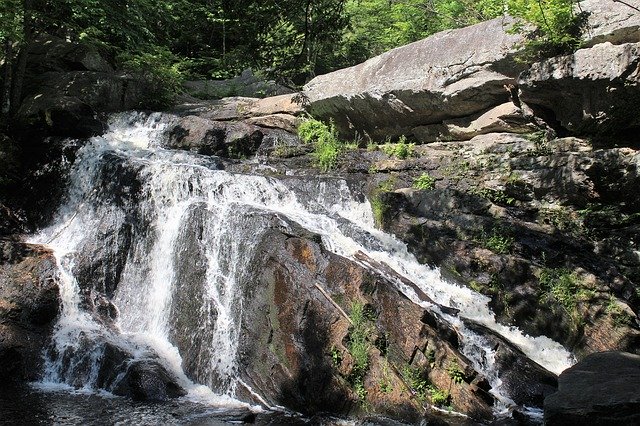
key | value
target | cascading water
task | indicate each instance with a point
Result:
(190, 231)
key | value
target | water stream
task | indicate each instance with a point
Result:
(173, 204)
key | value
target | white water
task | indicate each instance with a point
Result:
(176, 187)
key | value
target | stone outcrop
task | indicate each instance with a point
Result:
(593, 91)
(505, 208)
(29, 304)
(610, 21)
(602, 389)
(69, 87)
(448, 75)
(296, 332)
(505, 118)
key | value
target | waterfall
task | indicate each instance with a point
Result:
(185, 232)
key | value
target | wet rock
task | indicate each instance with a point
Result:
(444, 76)
(295, 344)
(595, 90)
(603, 388)
(526, 382)
(29, 304)
(504, 208)
(148, 381)
(208, 137)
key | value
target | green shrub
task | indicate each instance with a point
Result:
(161, 67)
(558, 29)
(379, 209)
(327, 146)
(438, 397)
(425, 181)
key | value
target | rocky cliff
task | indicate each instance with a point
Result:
(521, 185)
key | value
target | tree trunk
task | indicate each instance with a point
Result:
(8, 74)
(21, 65)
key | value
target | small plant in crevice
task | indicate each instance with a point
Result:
(360, 336)
(496, 196)
(619, 316)
(424, 182)
(454, 371)
(378, 206)
(423, 389)
(439, 397)
(327, 145)
(336, 356)
(498, 242)
(400, 149)
(564, 286)
(385, 385)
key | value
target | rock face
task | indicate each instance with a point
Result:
(595, 90)
(602, 389)
(296, 332)
(68, 87)
(611, 21)
(29, 304)
(448, 75)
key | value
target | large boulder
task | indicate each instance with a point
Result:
(49, 53)
(29, 304)
(602, 389)
(594, 90)
(447, 75)
(610, 21)
(296, 331)
(68, 86)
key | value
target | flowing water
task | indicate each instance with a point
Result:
(182, 233)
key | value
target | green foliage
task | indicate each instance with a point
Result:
(619, 316)
(360, 336)
(453, 370)
(558, 28)
(425, 181)
(360, 389)
(161, 68)
(379, 209)
(498, 242)
(327, 146)
(496, 196)
(416, 382)
(401, 149)
(336, 356)
(438, 397)
(565, 287)
(423, 389)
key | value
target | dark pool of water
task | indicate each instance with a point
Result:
(27, 405)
